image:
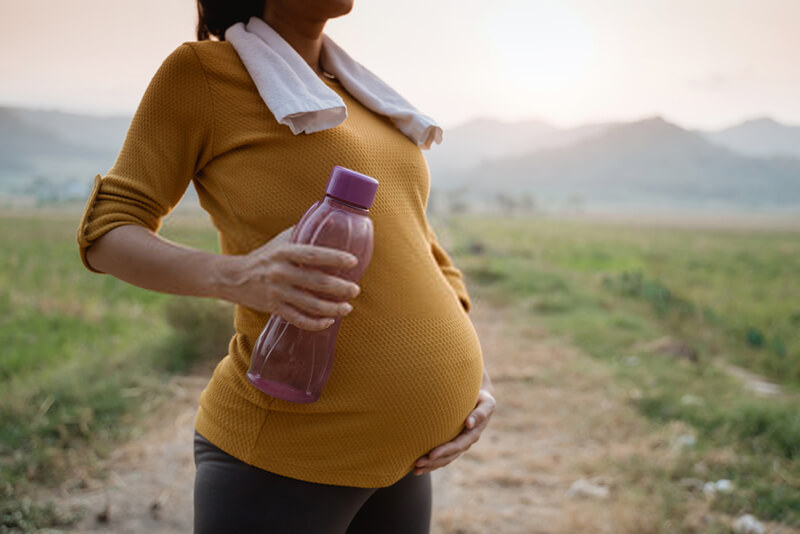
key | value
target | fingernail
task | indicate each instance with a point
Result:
(471, 421)
(348, 308)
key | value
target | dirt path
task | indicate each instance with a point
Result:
(555, 423)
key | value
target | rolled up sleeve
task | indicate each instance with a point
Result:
(169, 140)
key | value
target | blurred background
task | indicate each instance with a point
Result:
(619, 182)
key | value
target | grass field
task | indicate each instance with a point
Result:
(734, 293)
(85, 355)
(731, 296)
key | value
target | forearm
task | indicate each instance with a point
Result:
(140, 257)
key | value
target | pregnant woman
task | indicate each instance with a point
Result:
(408, 393)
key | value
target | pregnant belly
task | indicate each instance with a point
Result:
(398, 389)
(425, 381)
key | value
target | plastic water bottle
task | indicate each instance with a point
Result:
(291, 363)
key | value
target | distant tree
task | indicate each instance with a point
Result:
(527, 203)
(575, 204)
(457, 201)
(505, 203)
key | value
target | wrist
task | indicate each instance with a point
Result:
(225, 277)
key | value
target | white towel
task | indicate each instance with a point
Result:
(300, 99)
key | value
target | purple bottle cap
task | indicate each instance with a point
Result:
(351, 186)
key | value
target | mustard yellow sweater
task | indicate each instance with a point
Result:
(408, 363)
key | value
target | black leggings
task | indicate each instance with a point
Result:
(231, 496)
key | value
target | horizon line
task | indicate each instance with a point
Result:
(459, 124)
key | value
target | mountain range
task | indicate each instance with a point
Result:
(55, 153)
(483, 163)
(646, 164)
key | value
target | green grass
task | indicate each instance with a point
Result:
(730, 295)
(732, 290)
(84, 354)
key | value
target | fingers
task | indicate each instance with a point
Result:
(426, 466)
(290, 279)
(463, 442)
(476, 422)
(317, 256)
(311, 305)
(316, 280)
(483, 410)
(301, 320)
(444, 454)
(433, 466)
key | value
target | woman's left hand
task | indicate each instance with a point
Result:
(475, 425)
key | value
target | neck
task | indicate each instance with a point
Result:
(302, 34)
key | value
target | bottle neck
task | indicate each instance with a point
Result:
(336, 200)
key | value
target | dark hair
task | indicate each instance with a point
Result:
(216, 16)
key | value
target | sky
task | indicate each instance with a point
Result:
(699, 63)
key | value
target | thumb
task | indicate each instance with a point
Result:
(286, 234)
(283, 237)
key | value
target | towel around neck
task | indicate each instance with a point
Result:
(299, 99)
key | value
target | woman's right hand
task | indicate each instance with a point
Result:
(279, 278)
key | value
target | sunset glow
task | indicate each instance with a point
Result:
(700, 64)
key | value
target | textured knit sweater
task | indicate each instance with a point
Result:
(407, 365)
